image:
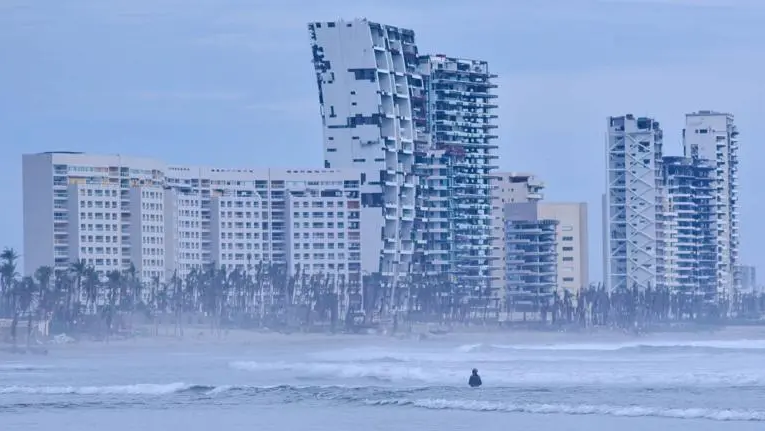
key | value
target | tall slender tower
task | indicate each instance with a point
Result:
(364, 71)
(634, 203)
(455, 171)
(713, 136)
(689, 215)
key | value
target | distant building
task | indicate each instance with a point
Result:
(455, 169)
(364, 71)
(673, 221)
(748, 275)
(531, 261)
(690, 225)
(713, 136)
(508, 187)
(116, 212)
(634, 203)
(421, 128)
(572, 241)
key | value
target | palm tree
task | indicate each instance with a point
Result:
(114, 285)
(177, 297)
(8, 274)
(24, 294)
(44, 298)
(79, 271)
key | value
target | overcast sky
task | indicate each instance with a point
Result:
(230, 82)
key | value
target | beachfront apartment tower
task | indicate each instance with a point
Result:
(454, 170)
(364, 71)
(531, 262)
(691, 226)
(508, 187)
(713, 136)
(634, 203)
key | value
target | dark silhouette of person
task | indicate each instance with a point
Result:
(475, 379)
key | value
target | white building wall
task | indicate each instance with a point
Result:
(170, 230)
(238, 232)
(713, 136)
(572, 242)
(50, 175)
(183, 233)
(322, 239)
(40, 230)
(147, 232)
(95, 228)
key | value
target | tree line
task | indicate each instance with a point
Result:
(81, 299)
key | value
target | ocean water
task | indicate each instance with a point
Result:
(337, 383)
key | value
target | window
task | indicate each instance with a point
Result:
(568, 279)
(568, 238)
(568, 259)
(568, 248)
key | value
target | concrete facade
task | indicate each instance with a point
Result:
(508, 187)
(572, 236)
(713, 136)
(115, 211)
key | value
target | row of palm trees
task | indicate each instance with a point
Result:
(634, 308)
(267, 295)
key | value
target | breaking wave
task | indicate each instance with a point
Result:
(137, 389)
(583, 409)
(503, 377)
(150, 389)
(359, 395)
(22, 367)
(706, 346)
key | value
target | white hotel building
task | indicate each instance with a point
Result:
(113, 211)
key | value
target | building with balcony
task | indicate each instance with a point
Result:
(454, 167)
(508, 187)
(364, 72)
(634, 195)
(531, 262)
(183, 232)
(691, 227)
(146, 232)
(713, 136)
(73, 203)
(117, 212)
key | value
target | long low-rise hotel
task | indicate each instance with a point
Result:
(114, 212)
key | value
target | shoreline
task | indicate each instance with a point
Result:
(200, 336)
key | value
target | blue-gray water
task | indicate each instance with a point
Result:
(331, 383)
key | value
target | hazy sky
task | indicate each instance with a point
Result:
(230, 82)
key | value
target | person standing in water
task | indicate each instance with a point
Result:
(475, 379)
